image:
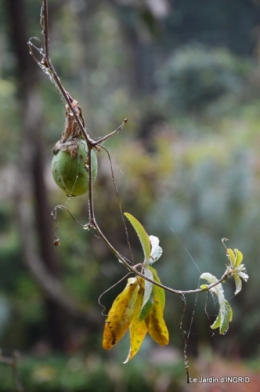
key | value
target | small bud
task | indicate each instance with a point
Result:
(56, 242)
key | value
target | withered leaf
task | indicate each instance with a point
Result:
(120, 314)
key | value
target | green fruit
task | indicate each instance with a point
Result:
(70, 170)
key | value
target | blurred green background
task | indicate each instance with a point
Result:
(186, 75)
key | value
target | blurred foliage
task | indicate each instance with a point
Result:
(213, 23)
(83, 373)
(196, 76)
(186, 165)
(59, 373)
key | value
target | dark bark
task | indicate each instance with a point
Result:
(18, 38)
(140, 48)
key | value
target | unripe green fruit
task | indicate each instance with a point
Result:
(70, 171)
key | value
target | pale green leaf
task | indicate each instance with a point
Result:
(156, 250)
(244, 276)
(225, 311)
(142, 235)
(221, 299)
(226, 318)
(218, 289)
(209, 277)
(238, 283)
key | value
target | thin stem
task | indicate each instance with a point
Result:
(119, 203)
(185, 339)
(45, 26)
(90, 190)
(46, 61)
(102, 139)
(106, 291)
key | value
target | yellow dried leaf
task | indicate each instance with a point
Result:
(125, 313)
(156, 326)
(120, 314)
(137, 329)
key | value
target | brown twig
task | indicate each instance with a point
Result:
(119, 203)
(185, 339)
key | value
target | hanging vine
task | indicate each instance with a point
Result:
(140, 306)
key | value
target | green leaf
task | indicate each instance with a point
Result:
(148, 295)
(239, 257)
(146, 310)
(224, 318)
(238, 270)
(216, 323)
(225, 311)
(158, 290)
(235, 257)
(231, 256)
(142, 235)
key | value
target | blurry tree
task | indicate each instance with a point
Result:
(43, 263)
(139, 26)
(216, 23)
(195, 76)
